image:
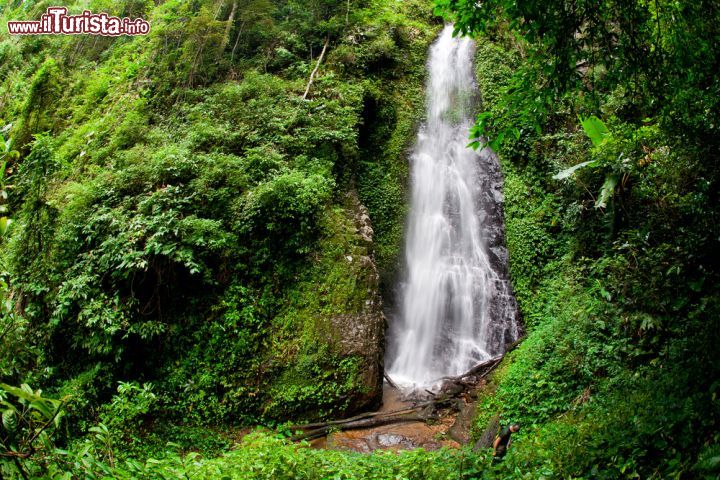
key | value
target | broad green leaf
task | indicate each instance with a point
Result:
(4, 224)
(21, 393)
(43, 408)
(563, 174)
(595, 129)
(606, 192)
(9, 419)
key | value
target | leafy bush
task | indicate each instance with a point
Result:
(28, 422)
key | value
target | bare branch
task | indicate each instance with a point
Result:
(317, 65)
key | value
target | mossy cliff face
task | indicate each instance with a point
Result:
(336, 311)
(362, 333)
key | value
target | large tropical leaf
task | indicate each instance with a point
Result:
(563, 174)
(23, 393)
(9, 419)
(606, 192)
(595, 129)
(4, 224)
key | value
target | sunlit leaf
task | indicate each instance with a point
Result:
(595, 129)
(4, 224)
(9, 419)
(606, 192)
(563, 174)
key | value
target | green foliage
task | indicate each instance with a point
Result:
(595, 129)
(262, 456)
(82, 392)
(568, 172)
(7, 154)
(709, 461)
(36, 115)
(283, 211)
(129, 409)
(16, 355)
(28, 421)
(181, 214)
(31, 185)
(638, 46)
(605, 384)
(182, 222)
(259, 456)
(319, 384)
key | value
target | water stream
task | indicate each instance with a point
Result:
(457, 307)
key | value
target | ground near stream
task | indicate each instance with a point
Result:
(449, 427)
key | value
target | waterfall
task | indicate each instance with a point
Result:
(456, 305)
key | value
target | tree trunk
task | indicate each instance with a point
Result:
(228, 27)
(237, 39)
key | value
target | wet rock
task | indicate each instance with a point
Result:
(451, 389)
(460, 430)
(503, 308)
(344, 442)
(362, 334)
(393, 440)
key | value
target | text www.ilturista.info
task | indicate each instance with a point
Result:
(57, 21)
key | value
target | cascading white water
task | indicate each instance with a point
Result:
(456, 305)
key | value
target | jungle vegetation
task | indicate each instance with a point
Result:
(176, 210)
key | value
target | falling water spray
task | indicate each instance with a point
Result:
(457, 307)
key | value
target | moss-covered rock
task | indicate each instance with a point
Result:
(333, 326)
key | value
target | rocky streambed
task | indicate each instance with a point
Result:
(446, 424)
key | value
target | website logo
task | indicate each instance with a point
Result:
(56, 21)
